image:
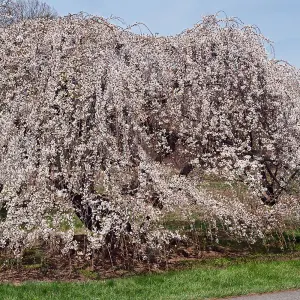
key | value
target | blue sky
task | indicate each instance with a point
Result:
(277, 19)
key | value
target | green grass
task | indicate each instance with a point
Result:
(219, 278)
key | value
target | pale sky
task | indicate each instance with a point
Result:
(278, 20)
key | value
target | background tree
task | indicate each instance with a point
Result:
(12, 11)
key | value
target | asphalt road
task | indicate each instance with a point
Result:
(288, 295)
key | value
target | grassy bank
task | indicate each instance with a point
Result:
(214, 279)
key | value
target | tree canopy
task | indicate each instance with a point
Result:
(119, 129)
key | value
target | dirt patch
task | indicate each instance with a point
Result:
(39, 264)
(67, 268)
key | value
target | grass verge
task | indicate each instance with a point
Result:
(216, 279)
